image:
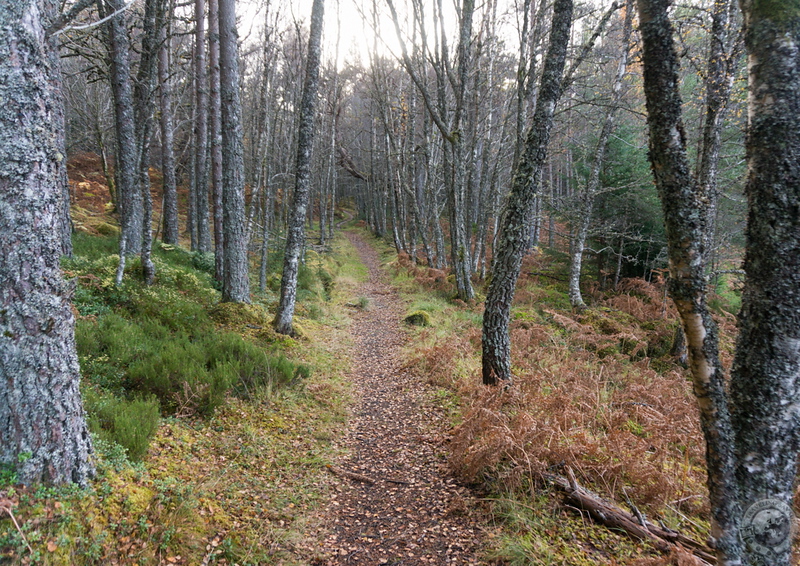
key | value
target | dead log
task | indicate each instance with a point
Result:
(613, 516)
(349, 475)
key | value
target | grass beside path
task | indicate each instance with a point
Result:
(239, 485)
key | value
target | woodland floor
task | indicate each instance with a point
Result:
(405, 508)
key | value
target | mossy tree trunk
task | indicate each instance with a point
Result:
(765, 379)
(514, 235)
(752, 431)
(295, 239)
(43, 433)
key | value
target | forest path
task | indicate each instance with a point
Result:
(415, 512)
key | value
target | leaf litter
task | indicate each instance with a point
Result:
(394, 500)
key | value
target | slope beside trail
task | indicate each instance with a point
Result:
(414, 512)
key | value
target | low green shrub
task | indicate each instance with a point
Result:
(129, 423)
(204, 262)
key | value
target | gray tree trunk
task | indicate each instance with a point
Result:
(295, 239)
(201, 130)
(752, 434)
(130, 202)
(144, 103)
(515, 232)
(43, 433)
(170, 233)
(215, 108)
(235, 281)
(766, 369)
(587, 196)
(722, 65)
(684, 205)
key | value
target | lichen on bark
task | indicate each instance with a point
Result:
(43, 433)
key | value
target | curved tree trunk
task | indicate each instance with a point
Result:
(295, 239)
(43, 433)
(515, 232)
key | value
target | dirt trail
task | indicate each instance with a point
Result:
(414, 512)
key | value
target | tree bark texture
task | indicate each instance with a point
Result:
(126, 161)
(765, 380)
(215, 108)
(43, 433)
(295, 239)
(235, 282)
(201, 129)
(685, 207)
(515, 232)
(170, 234)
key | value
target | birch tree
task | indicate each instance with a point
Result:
(295, 239)
(515, 232)
(752, 429)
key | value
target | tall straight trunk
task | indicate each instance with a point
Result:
(215, 109)
(126, 162)
(295, 239)
(144, 91)
(766, 368)
(43, 437)
(459, 234)
(515, 232)
(170, 234)
(580, 230)
(722, 66)
(235, 280)
(201, 129)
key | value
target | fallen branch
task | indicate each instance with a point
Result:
(610, 515)
(349, 475)
(6, 505)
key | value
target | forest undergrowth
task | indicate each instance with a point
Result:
(598, 394)
(211, 431)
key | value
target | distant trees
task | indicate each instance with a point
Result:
(43, 436)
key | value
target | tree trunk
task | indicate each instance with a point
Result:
(215, 108)
(722, 64)
(143, 108)
(170, 233)
(586, 199)
(201, 130)
(126, 160)
(295, 239)
(43, 432)
(515, 232)
(766, 369)
(235, 281)
(685, 208)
